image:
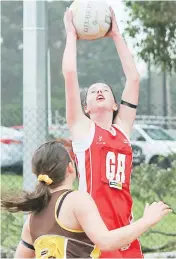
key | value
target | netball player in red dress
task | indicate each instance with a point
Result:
(101, 139)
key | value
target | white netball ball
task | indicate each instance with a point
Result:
(92, 19)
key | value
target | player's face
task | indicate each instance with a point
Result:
(99, 96)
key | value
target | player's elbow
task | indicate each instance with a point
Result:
(133, 83)
(108, 243)
(134, 79)
(105, 244)
(69, 73)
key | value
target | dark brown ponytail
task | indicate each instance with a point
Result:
(28, 202)
(50, 159)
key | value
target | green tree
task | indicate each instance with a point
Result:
(155, 21)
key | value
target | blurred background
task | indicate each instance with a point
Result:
(33, 100)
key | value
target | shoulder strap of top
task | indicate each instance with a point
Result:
(61, 202)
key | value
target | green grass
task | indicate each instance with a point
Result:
(11, 182)
(12, 223)
(167, 225)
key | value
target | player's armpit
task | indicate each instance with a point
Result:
(74, 114)
(24, 251)
(77, 122)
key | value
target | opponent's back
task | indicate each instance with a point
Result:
(52, 240)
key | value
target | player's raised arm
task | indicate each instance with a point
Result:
(129, 101)
(89, 219)
(74, 114)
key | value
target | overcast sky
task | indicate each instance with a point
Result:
(122, 16)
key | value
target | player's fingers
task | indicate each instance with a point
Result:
(65, 19)
(66, 15)
(154, 203)
(166, 212)
(160, 203)
(165, 206)
(66, 11)
(112, 14)
(71, 15)
(111, 10)
(146, 206)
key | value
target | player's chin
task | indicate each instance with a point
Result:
(101, 103)
(102, 106)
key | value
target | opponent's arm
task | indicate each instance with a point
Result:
(127, 110)
(25, 247)
(74, 114)
(89, 219)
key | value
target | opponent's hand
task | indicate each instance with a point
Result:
(68, 22)
(155, 212)
(114, 27)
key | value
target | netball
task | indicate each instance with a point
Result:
(92, 19)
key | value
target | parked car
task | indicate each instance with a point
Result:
(172, 132)
(155, 143)
(138, 156)
(11, 142)
(55, 131)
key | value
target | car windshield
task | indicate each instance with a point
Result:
(158, 134)
(9, 133)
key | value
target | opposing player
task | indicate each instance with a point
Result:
(101, 136)
(64, 223)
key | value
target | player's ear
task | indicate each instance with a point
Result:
(70, 168)
(115, 107)
(86, 110)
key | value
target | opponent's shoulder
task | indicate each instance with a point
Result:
(80, 195)
(80, 198)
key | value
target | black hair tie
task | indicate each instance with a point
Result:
(129, 104)
(27, 245)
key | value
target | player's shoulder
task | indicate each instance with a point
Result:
(82, 203)
(80, 197)
(79, 194)
(76, 200)
(83, 144)
(120, 129)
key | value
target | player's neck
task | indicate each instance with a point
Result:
(67, 185)
(103, 119)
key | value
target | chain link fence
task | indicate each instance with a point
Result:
(149, 183)
(154, 172)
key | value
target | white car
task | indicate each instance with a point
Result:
(11, 144)
(154, 141)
